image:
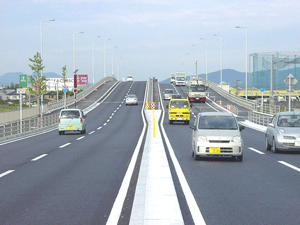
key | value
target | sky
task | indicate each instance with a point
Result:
(144, 38)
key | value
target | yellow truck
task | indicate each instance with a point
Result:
(179, 110)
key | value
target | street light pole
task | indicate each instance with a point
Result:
(246, 81)
(112, 61)
(104, 58)
(41, 30)
(74, 48)
(221, 60)
(205, 56)
(93, 59)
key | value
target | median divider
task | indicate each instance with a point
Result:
(155, 200)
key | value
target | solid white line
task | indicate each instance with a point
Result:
(192, 204)
(92, 132)
(80, 138)
(39, 157)
(64, 145)
(99, 128)
(289, 165)
(118, 204)
(6, 173)
(259, 152)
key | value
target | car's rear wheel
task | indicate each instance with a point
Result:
(274, 149)
(171, 121)
(59, 132)
(268, 146)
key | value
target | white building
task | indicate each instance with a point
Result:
(54, 84)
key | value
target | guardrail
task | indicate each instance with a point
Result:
(36, 124)
(260, 118)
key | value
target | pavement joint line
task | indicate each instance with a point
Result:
(6, 173)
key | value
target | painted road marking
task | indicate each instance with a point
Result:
(80, 138)
(289, 165)
(6, 173)
(39, 157)
(92, 132)
(64, 145)
(259, 152)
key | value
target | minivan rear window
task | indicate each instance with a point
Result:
(70, 114)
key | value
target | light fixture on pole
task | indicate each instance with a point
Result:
(221, 60)
(93, 58)
(205, 56)
(246, 78)
(41, 30)
(74, 61)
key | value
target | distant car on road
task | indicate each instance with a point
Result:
(283, 132)
(131, 99)
(217, 134)
(176, 96)
(168, 93)
(129, 78)
(71, 120)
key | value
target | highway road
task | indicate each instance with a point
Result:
(259, 190)
(75, 178)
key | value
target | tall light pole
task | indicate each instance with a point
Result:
(205, 56)
(74, 48)
(41, 29)
(104, 58)
(112, 61)
(196, 60)
(93, 58)
(246, 81)
(221, 60)
(119, 67)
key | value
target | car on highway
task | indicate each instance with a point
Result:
(129, 78)
(283, 133)
(217, 134)
(179, 110)
(71, 120)
(168, 93)
(131, 99)
(178, 96)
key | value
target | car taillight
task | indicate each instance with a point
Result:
(58, 120)
(135, 99)
(80, 120)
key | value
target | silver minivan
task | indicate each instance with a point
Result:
(217, 134)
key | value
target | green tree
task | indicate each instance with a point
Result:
(37, 81)
(64, 74)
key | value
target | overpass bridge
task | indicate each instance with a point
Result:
(119, 173)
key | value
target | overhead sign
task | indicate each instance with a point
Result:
(290, 79)
(82, 79)
(23, 81)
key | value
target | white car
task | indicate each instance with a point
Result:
(129, 78)
(168, 93)
(217, 134)
(131, 99)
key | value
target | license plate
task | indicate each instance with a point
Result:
(70, 127)
(214, 150)
(297, 143)
(179, 118)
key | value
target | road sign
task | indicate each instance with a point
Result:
(290, 78)
(65, 90)
(21, 90)
(23, 81)
(262, 89)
